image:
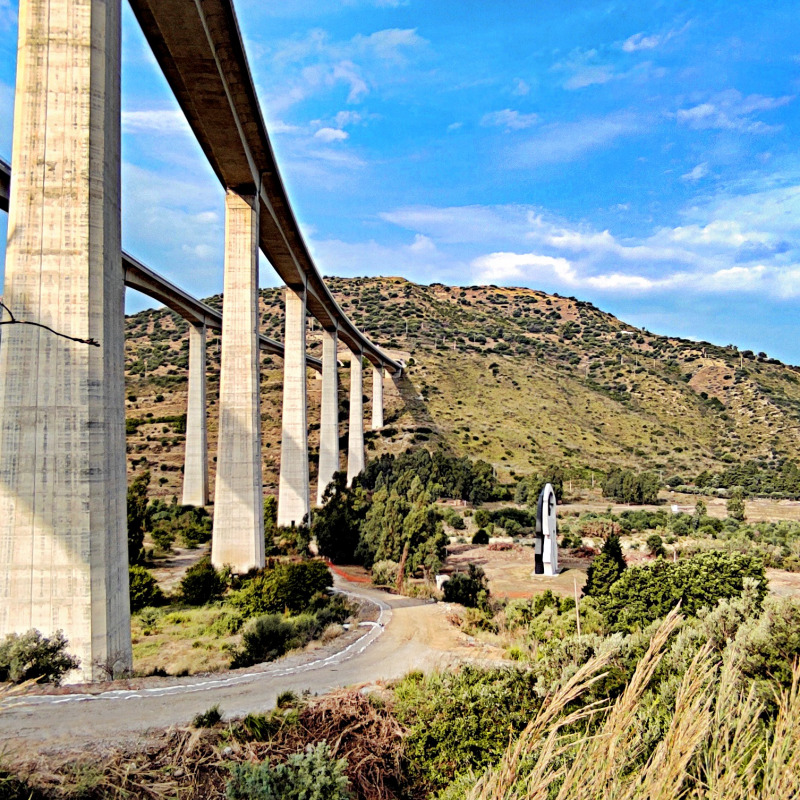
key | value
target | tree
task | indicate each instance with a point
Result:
(144, 589)
(336, 525)
(735, 505)
(606, 568)
(644, 594)
(201, 584)
(655, 545)
(468, 588)
(31, 656)
(137, 516)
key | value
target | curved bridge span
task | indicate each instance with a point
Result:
(200, 51)
(63, 543)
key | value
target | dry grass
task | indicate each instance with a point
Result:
(715, 746)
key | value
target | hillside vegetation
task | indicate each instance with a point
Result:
(513, 376)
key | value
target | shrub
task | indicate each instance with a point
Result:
(644, 594)
(605, 569)
(481, 517)
(208, 718)
(384, 573)
(460, 720)
(284, 586)
(466, 589)
(264, 639)
(735, 506)
(31, 656)
(310, 775)
(480, 537)
(655, 545)
(201, 584)
(144, 590)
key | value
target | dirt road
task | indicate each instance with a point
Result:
(409, 634)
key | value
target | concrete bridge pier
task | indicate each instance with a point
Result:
(63, 543)
(355, 438)
(238, 538)
(195, 469)
(329, 414)
(377, 396)
(293, 490)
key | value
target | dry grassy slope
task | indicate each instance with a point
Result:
(514, 376)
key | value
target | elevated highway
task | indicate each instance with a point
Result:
(200, 51)
(150, 283)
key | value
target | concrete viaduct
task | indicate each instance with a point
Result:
(63, 543)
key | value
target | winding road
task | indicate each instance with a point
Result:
(409, 634)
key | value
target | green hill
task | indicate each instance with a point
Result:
(514, 376)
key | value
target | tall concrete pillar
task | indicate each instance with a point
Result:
(63, 543)
(377, 396)
(355, 438)
(195, 468)
(293, 494)
(238, 538)
(329, 414)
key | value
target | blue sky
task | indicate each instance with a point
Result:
(644, 156)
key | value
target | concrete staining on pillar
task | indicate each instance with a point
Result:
(293, 493)
(329, 414)
(377, 397)
(355, 438)
(195, 470)
(63, 544)
(238, 538)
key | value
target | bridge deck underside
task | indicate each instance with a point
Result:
(200, 51)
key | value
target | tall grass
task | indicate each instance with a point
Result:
(719, 742)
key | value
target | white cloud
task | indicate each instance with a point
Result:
(155, 121)
(521, 87)
(568, 141)
(316, 63)
(422, 244)
(454, 126)
(696, 173)
(639, 41)
(596, 74)
(510, 120)
(744, 243)
(331, 135)
(731, 110)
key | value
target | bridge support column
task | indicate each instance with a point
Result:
(355, 439)
(329, 414)
(293, 492)
(377, 397)
(238, 538)
(195, 469)
(63, 544)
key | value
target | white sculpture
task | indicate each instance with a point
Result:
(546, 549)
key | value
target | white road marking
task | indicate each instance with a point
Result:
(376, 630)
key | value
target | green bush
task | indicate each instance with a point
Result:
(31, 656)
(480, 537)
(201, 584)
(644, 594)
(310, 775)
(384, 573)
(264, 639)
(144, 589)
(468, 589)
(460, 720)
(626, 486)
(208, 718)
(606, 568)
(655, 545)
(283, 586)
